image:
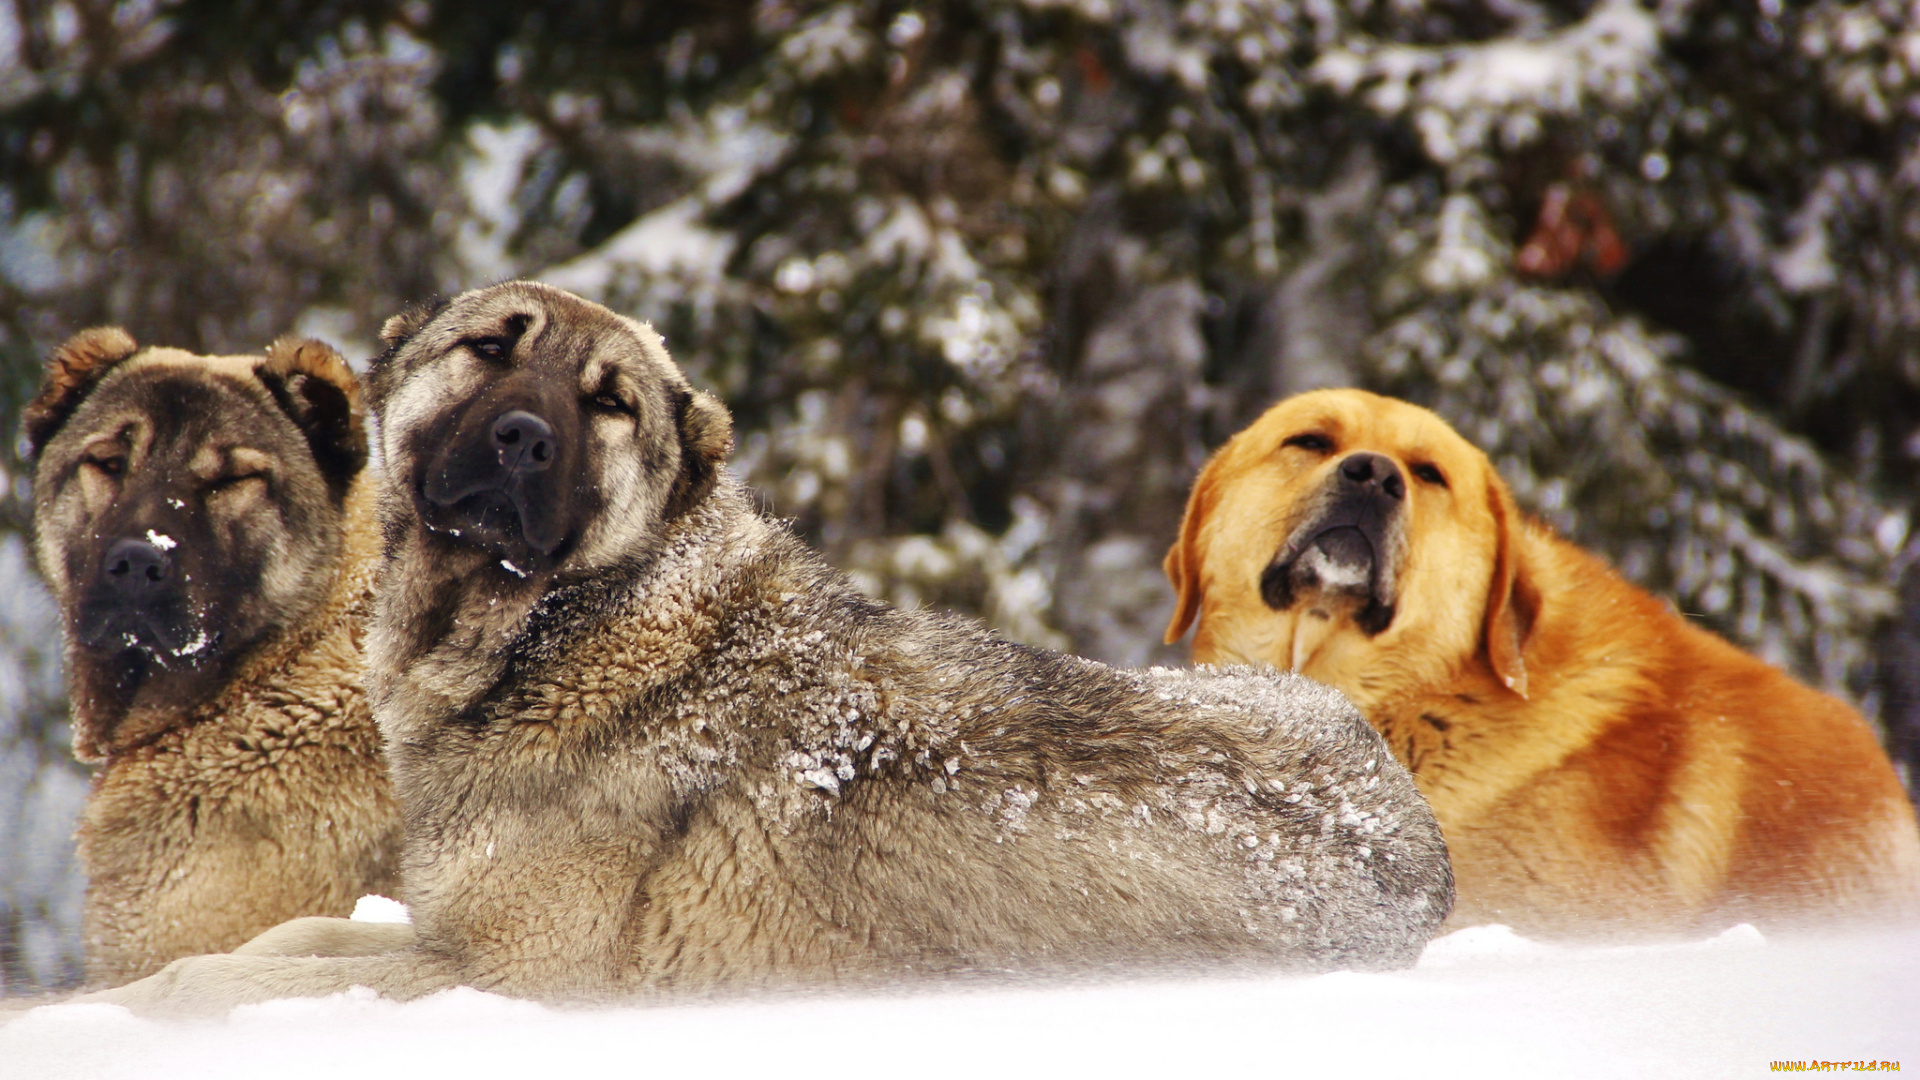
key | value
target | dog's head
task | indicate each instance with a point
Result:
(1357, 539)
(531, 431)
(186, 508)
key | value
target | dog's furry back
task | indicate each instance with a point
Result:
(727, 769)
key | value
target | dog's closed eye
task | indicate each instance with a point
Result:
(1311, 440)
(1431, 474)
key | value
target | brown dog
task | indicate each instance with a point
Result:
(206, 528)
(1598, 764)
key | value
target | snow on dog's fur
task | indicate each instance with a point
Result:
(649, 743)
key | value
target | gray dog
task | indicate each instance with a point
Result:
(650, 744)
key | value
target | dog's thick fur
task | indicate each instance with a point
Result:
(1598, 764)
(649, 744)
(200, 520)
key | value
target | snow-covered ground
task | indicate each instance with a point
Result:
(1482, 1002)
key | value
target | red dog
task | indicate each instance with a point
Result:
(1597, 762)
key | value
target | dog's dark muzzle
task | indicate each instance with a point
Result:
(500, 486)
(1343, 552)
(135, 601)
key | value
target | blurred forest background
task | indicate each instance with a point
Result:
(984, 280)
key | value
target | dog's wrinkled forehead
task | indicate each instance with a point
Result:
(175, 406)
(532, 324)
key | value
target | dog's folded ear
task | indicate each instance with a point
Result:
(1513, 602)
(706, 438)
(75, 368)
(397, 330)
(318, 391)
(394, 334)
(1188, 552)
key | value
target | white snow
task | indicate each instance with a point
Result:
(669, 240)
(193, 647)
(380, 909)
(1806, 263)
(1484, 1002)
(161, 540)
(489, 174)
(826, 44)
(728, 151)
(1468, 252)
(1152, 47)
(1456, 94)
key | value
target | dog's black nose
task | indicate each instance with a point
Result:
(135, 569)
(1365, 469)
(523, 441)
